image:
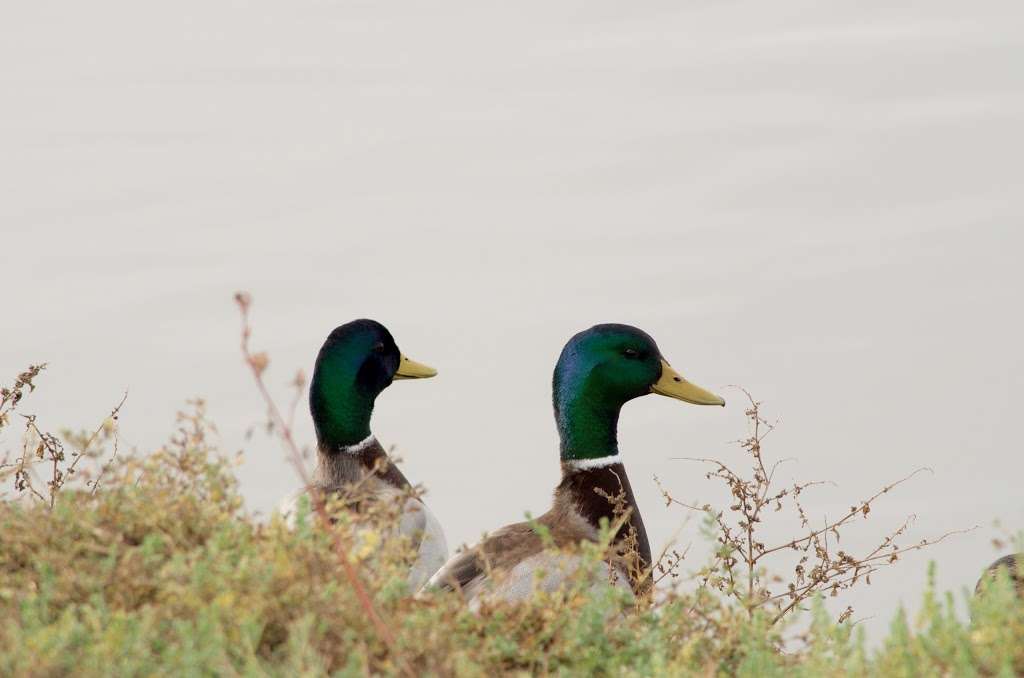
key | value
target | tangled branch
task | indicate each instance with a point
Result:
(738, 567)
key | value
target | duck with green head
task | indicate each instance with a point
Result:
(356, 363)
(599, 371)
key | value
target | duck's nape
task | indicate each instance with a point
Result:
(599, 371)
(356, 363)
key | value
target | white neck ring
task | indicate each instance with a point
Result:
(587, 464)
(360, 446)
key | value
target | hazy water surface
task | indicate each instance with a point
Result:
(821, 203)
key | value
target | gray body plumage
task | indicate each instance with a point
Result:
(379, 481)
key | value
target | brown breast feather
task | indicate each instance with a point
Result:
(574, 516)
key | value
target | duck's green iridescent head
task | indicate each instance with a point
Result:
(599, 371)
(358, 361)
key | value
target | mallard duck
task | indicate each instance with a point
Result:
(599, 371)
(1013, 564)
(356, 363)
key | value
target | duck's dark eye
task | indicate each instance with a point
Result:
(630, 353)
(379, 347)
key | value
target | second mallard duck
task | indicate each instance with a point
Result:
(599, 371)
(356, 363)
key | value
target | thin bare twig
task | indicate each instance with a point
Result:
(822, 567)
(104, 467)
(114, 414)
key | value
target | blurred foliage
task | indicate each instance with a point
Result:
(160, 570)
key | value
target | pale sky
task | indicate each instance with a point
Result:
(821, 203)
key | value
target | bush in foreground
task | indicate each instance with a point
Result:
(152, 566)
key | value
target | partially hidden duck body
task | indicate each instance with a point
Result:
(599, 370)
(1014, 566)
(356, 363)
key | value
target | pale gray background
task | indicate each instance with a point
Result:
(818, 201)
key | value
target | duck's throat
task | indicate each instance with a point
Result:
(587, 430)
(343, 466)
(341, 414)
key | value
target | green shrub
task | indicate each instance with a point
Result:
(160, 570)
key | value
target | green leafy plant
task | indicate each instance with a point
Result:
(150, 564)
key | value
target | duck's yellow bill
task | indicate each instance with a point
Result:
(673, 385)
(410, 369)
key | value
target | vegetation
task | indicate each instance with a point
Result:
(126, 564)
